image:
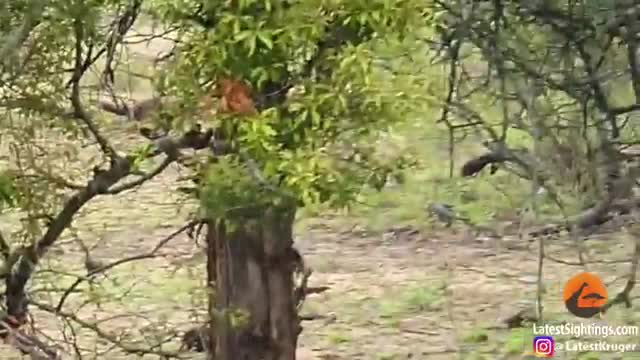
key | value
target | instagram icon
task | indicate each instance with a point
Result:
(543, 346)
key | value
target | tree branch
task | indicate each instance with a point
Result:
(25, 265)
(114, 339)
(100, 184)
(120, 28)
(151, 254)
(16, 38)
(623, 297)
(146, 177)
(79, 111)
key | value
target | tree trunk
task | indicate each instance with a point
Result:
(253, 310)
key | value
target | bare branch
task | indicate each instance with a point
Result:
(624, 296)
(114, 339)
(151, 254)
(100, 184)
(121, 26)
(146, 177)
(79, 110)
(25, 265)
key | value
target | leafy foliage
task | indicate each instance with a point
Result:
(321, 99)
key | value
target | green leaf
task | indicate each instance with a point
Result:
(242, 36)
(265, 39)
(252, 41)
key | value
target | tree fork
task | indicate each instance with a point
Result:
(253, 308)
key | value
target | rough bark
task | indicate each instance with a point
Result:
(253, 310)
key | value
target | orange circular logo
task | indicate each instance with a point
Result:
(584, 295)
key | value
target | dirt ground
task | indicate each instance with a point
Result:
(426, 296)
(401, 294)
